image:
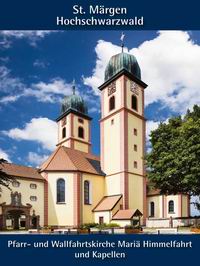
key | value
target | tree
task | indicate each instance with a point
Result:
(4, 178)
(174, 161)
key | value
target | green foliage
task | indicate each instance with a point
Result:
(174, 161)
(133, 227)
(4, 178)
(88, 225)
(112, 225)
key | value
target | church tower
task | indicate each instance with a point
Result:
(74, 123)
(123, 131)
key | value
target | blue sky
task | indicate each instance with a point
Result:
(37, 69)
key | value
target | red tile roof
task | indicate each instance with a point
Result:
(126, 214)
(107, 203)
(67, 159)
(20, 171)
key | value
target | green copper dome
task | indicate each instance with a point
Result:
(74, 102)
(122, 61)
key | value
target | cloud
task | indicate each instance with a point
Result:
(51, 91)
(36, 159)
(10, 98)
(41, 130)
(9, 83)
(4, 155)
(14, 88)
(7, 36)
(150, 126)
(40, 64)
(169, 64)
(104, 50)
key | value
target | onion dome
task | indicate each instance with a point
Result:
(74, 102)
(122, 61)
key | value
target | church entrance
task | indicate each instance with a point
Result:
(16, 219)
(17, 216)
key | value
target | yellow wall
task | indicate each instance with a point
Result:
(60, 214)
(112, 185)
(157, 199)
(80, 146)
(85, 126)
(117, 207)
(122, 223)
(136, 193)
(112, 145)
(134, 122)
(176, 205)
(118, 96)
(185, 206)
(106, 216)
(129, 96)
(157, 206)
(97, 190)
(26, 192)
(67, 126)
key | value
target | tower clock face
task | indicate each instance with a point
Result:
(112, 88)
(134, 88)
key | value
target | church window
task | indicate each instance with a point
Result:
(80, 120)
(33, 198)
(112, 103)
(64, 132)
(152, 209)
(135, 164)
(135, 147)
(135, 131)
(60, 190)
(87, 192)
(134, 103)
(33, 186)
(171, 206)
(81, 132)
(15, 184)
(112, 121)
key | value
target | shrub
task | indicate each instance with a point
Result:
(88, 225)
(111, 225)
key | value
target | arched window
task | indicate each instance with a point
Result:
(152, 209)
(87, 196)
(81, 132)
(64, 132)
(171, 206)
(134, 103)
(60, 190)
(112, 103)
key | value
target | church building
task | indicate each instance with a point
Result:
(73, 186)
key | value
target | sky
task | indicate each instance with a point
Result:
(37, 69)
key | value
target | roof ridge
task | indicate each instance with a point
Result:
(8, 163)
(53, 155)
(87, 153)
(65, 150)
